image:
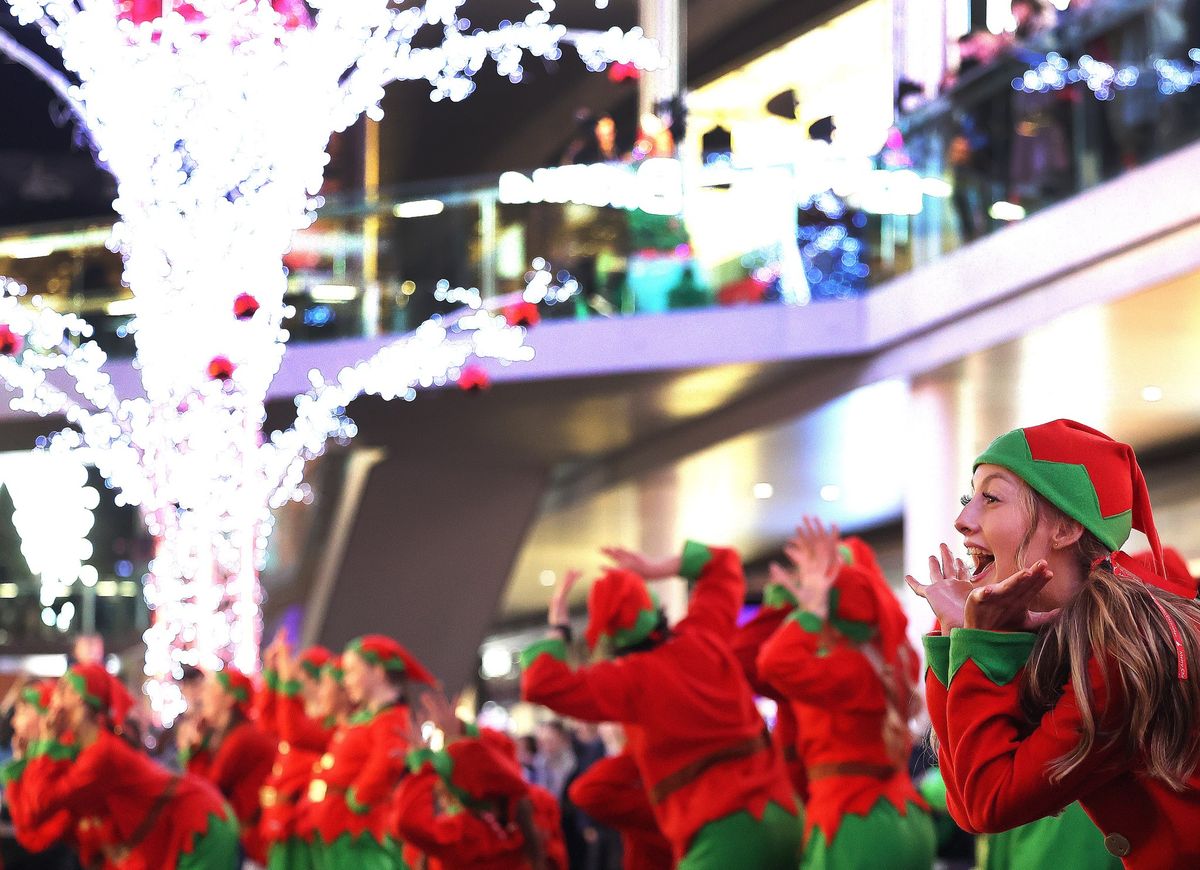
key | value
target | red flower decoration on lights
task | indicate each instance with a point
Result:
(245, 307)
(474, 379)
(619, 72)
(10, 342)
(220, 369)
(294, 12)
(522, 314)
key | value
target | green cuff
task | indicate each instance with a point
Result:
(695, 557)
(937, 655)
(416, 758)
(12, 771)
(354, 806)
(999, 654)
(290, 689)
(53, 750)
(271, 679)
(470, 729)
(807, 620)
(778, 596)
(551, 646)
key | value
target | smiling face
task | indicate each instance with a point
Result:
(998, 528)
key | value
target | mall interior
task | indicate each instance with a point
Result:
(822, 256)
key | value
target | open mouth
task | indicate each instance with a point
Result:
(982, 559)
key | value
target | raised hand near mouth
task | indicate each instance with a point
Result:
(948, 589)
(1004, 606)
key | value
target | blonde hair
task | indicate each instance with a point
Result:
(1124, 625)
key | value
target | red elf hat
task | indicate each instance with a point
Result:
(1091, 478)
(237, 685)
(620, 608)
(313, 659)
(100, 691)
(379, 649)
(38, 695)
(475, 772)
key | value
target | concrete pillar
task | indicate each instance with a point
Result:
(665, 21)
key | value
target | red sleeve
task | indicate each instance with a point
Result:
(33, 837)
(995, 767)
(720, 587)
(611, 792)
(266, 703)
(77, 786)
(385, 766)
(297, 728)
(603, 692)
(819, 667)
(417, 819)
(240, 768)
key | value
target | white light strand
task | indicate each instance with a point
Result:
(1104, 80)
(214, 119)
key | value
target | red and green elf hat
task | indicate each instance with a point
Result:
(379, 649)
(100, 691)
(313, 659)
(38, 695)
(1092, 479)
(1176, 566)
(238, 686)
(333, 668)
(621, 609)
(475, 772)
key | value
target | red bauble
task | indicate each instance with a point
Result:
(522, 314)
(10, 342)
(474, 379)
(245, 306)
(221, 369)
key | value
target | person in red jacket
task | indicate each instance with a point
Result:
(150, 818)
(611, 791)
(467, 806)
(717, 784)
(844, 663)
(366, 759)
(289, 713)
(1064, 669)
(237, 754)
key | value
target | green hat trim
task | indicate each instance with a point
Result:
(32, 697)
(777, 595)
(396, 664)
(79, 684)
(311, 668)
(1065, 485)
(238, 692)
(859, 632)
(647, 621)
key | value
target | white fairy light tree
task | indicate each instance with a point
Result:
(214, 117)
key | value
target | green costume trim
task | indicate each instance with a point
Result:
(12, 771)
(79, 684)
(333, 670)
(33, 697)
(807, 620)
(354, 806)
(932, 787)
(1065, 485)
(551, 646)
(292, 854)
(470, 729)
(740, 840)
(310, 668)
(394, 664)
(859, 632)
(645, 623)
(695, 557)
(937, 656)
(239, 692)
(53, 750)
(363, 852)
(271, 679)
(216, 848)
(999, 654)
(1069, 841)
(881, 838)
(290, 689)
(777, 595)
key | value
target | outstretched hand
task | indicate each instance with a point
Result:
(948, 589)
(639, 563)
(1004, 606)
(560, 601)
(813, 552)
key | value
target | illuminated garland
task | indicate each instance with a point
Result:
(1103, 79)
(214, 118)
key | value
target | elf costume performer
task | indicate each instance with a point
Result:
(849, 673)
(289, 689)
(718, 787)
(238, 753)
(611, 791)
(150, 817)
(365, 761)
(1063, 670)
(467, 806)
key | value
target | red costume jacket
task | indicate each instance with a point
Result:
(995, 762)
(747, 643)
(87, 836)
(840, 705)
(683, 704)
(301, 743)
(363, 765)
(612, 793)
(238, 768)
(119, 787)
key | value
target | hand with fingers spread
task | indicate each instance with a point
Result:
(948, 589)
(641, 564)
(560, 602)
(440, 712)
(813, 552)
(1004, 606)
